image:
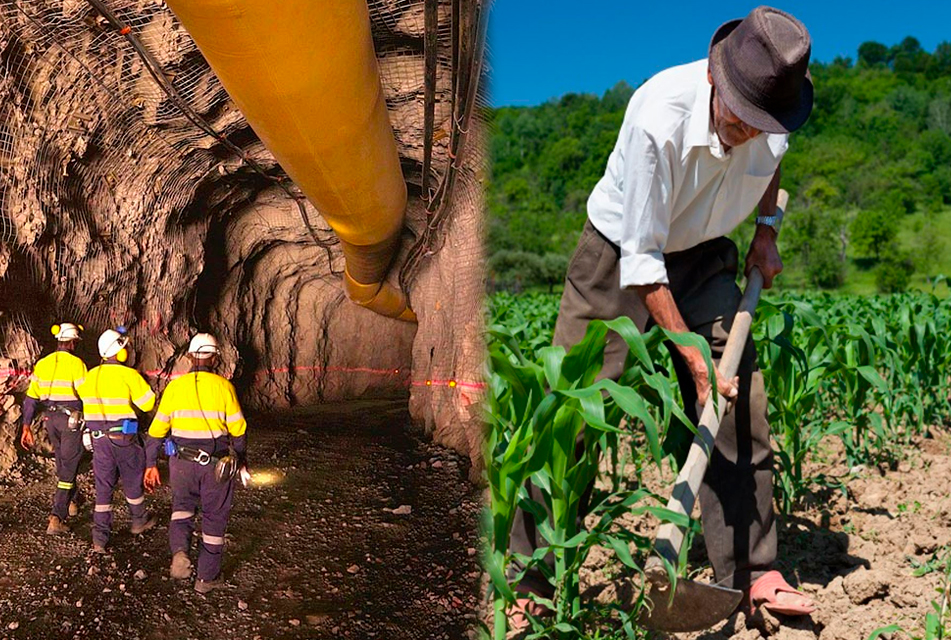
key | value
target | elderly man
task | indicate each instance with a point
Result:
(700, 145)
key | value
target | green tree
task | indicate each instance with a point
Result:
(516, 269)
(873, 53)
(893, 274)
(553, 269)
(872, 231)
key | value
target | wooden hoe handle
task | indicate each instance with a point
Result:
(670, 537)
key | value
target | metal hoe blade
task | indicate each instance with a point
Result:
(694, 607)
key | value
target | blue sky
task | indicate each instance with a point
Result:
(541, 49)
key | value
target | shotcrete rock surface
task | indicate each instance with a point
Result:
(117, 209)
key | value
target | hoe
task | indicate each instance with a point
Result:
(689, 605)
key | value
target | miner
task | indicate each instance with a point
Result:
(111, 394)
(200, 422)
(53, 395)
(700, 146)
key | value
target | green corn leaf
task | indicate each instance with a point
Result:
(621, 550)
(892, 628)
(494, 562)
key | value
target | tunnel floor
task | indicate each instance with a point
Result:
(316, 553)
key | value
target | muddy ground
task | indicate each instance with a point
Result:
(855, 554)
(316, 553)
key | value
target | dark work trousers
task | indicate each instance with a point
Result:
(121, 457)
(68, 449)
(736, 495)
(194, 486)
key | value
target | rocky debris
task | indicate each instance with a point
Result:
(855, 556)
(863, 585)
(291, 544)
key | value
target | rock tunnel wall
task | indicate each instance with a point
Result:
(116, 207)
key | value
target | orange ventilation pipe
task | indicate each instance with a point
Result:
(305, 76)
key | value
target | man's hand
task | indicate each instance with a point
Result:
(729, 389)
(764, 254)
(26, 438)
(662, 307)
(151, 479)
(244, 475)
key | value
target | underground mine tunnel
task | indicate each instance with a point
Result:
(315, 204)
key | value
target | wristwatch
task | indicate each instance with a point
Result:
(773, 221)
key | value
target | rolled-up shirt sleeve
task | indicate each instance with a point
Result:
(647, 208)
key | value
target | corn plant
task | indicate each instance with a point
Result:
(550, 419)
(874, 371)
(797, 368)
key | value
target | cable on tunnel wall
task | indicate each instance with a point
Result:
(468, 49)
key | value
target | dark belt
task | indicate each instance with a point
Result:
(57, 408)
(196, 455)
(113, 433)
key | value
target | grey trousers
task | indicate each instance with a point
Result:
(736, 497)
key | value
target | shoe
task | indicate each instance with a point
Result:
(98, 548)
(181, 566)
(136, 529)
(73, 509)
(56, 527)
(764, 594)
(204, 586)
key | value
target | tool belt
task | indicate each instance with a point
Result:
(113, 433)
(50, 407)
(124, 431)
(194, 454)
(74, 416)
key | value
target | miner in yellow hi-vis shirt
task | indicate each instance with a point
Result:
(52, 394)
(205, 429)
(110, 395)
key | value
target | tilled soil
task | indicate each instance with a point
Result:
(855, 554)
(355, 527)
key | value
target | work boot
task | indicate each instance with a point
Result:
(204, 586)
(56, 527)
(98, 548)
(181, 566)
(73, 509)
(150, 522)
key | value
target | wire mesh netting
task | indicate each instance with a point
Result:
(132, 191)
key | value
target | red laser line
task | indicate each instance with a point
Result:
(158, 373)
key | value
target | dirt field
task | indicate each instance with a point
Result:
(315, 553)
(854, 554)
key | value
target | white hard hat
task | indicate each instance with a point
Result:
(66, 331)
(111, 342)
(203, 345)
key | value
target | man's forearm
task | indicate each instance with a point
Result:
(661, 305)
(767, 204)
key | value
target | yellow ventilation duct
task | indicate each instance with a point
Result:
(305, 76)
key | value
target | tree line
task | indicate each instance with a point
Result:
(869, 174)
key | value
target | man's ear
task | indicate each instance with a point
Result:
(709, 75)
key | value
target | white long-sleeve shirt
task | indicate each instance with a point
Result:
(669, 185)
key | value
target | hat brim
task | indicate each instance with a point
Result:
(769, 122)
